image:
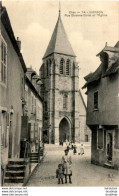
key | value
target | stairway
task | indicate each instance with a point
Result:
(34, 157)
(15, 171)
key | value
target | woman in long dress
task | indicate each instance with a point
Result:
(81, 150)
(66, 161)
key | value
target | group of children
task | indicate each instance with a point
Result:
(74, 148)
(64, 168)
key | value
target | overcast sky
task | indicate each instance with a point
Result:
(34, 21)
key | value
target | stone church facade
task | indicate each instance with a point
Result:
(60, 91)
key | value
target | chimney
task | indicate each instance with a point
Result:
(19, 43)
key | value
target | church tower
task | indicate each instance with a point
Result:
(60, 92)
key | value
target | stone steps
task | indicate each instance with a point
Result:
(15, 167)
(14, 179)
(15, 171)
(10, 173)
(34, 157)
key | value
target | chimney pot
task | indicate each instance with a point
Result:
(19, 43)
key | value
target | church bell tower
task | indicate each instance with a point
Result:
(60, 92)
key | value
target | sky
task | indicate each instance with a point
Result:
(34, 21)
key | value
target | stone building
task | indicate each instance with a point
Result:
(20, 108)
(31, 129)
(103, 108)
(60, 92)
(12, 72)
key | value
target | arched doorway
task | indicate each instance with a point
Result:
(64, 130)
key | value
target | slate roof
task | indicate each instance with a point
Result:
(59, 42)
(110, 49)
(94, 76)
(113, 68)
(117, 44)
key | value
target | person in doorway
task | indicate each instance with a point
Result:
(81, 150)
(66, 161)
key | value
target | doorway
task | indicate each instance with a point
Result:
(10, 141)
(109, 146)
(64, 130)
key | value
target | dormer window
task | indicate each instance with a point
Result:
(62, 66)
(105, 60)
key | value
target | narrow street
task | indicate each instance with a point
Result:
(84, 173)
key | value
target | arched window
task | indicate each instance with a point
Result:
(65, 101)
(47, 68)
(62, 66)
(68, 67)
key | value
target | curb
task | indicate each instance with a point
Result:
(24, 184)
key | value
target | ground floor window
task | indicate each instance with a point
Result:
(100, 138)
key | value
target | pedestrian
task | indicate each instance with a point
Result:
(74, 149)
(66, 142)
(72, 145)
(60, 173)
(68, 146)
(62, 142)
(81, 152)
(66, 161)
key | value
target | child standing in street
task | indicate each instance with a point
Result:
(60, 173)
(74, 150)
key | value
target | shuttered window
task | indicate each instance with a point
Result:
(68, 67)
(62, 66)
(3, 61)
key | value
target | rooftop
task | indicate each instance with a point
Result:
(59, 42)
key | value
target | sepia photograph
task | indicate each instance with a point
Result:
(59, 93)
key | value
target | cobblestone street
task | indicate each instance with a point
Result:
(84, 173)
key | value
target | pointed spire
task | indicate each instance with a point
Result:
(59, 42)
(59, 8)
